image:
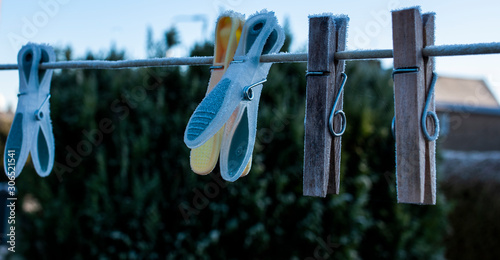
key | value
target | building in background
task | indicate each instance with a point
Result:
(470, 129)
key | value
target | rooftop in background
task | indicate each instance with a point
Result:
(464, 92)
(469, 115)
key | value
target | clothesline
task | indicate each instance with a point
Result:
(430, 51)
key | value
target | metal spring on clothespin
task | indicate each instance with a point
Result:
(338, 112)
(334, 112)
(216, 67)
(426, 112)
(432, 114)
(248, 93)
(38, 112)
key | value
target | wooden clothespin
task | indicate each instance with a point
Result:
(325, 80)
(414, 107)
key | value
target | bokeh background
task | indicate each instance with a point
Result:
(129, 193)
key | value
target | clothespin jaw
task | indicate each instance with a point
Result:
(322, 147)
(31, 130)
(415, 154)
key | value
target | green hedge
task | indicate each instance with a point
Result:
(122, 187)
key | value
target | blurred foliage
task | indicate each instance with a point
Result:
(122, 187)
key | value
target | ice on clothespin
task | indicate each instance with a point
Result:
(416, 125)
(234, 101)
(325, 121)
(31, 130)
(227, 34)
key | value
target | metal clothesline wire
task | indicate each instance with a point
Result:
(430, 51)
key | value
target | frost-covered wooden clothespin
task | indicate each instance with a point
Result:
(416, 126)
(325, 121)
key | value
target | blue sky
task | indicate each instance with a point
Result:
(95, 25)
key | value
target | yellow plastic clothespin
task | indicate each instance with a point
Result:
(227, 35)
(234, 101)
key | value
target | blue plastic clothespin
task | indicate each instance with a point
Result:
(31, 130)
(234, 101)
